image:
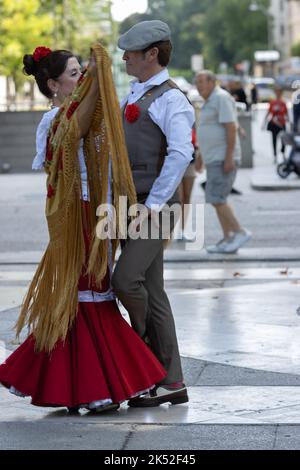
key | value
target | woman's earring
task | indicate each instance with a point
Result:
(54, 96)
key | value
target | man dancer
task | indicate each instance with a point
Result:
(158, 122)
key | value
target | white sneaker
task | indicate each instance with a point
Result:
(182, 236)
(218, 248)
(188, 237)
(236, 241)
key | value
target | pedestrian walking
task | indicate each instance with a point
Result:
(254, 97)
(80, 353)
(239, 94)
(276, 119)
(221, 153)
(158, 120)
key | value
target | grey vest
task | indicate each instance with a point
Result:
(146, 143)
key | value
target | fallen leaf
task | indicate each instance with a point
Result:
(285, 271)
(238, 274)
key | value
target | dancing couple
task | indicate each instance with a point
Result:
(80, 352)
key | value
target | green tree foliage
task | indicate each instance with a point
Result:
(58, 24)
(221, 30)
(232, 33)
(78, 23)
(295, 50)
(185, 18)
(22, 28)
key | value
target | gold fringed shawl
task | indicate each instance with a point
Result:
(50, 305)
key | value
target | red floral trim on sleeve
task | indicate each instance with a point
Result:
(54, 128)
(132, 112)
(72, 108)
(49, 152)
(50, 192)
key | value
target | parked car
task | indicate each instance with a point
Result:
(265, 89)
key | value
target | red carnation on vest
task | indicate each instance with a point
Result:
(132, 112)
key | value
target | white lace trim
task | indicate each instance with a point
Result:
(92, 404)
(91, 296)
(14, 391)
(95, 404)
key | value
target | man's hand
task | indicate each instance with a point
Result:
(229, 165)
(199, 165)
(136, 225)
(242, 132)
(231, 129)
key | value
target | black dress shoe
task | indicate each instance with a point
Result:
(159, 395)
(73, 410)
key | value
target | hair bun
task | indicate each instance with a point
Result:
(30, 66)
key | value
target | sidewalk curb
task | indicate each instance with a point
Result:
(266, 179)
(246, 254)
(180, 255)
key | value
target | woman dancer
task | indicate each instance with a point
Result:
(80, 351)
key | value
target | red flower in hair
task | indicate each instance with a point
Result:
(72, 108)
(50, 192)
(41, 52)
(132, 112)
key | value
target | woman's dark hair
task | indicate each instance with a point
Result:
(50, 66)
(164, 51)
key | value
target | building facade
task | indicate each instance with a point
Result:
(279, 30)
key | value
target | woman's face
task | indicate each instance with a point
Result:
(67, 80)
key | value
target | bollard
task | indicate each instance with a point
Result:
(245, 120)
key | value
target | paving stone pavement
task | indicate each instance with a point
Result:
(242, 370)
(237, 319)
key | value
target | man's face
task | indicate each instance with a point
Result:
(204, 85)
(135, 63)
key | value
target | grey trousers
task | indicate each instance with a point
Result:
(139, 284)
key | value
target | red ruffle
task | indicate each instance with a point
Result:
(101, 358)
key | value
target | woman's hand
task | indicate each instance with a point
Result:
(92, 66)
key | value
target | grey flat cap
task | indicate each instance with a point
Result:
(143, 34)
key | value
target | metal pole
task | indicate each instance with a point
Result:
(270, 35)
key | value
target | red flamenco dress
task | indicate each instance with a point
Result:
(102, 360)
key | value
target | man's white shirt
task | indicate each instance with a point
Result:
(175, 117)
